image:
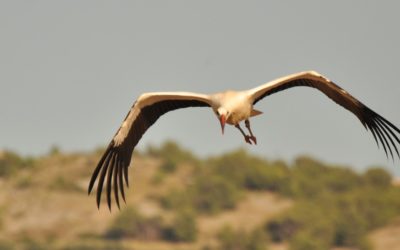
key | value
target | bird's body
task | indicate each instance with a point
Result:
(237, 103)
(231, 107)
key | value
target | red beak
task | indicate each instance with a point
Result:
(222, 121)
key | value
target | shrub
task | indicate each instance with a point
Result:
(340, 180)
(130, 224)
(374, 206)
(177, 199)
(378, 177)
(250, 172)
(256, 240)
(11, 162)
(311, 179)
(211, 194)
(229, 239)
(54, 150)
(304, 170)
(269, 177)
(281, 229)
(240, 240)
(168, 166)
(303, 216)
(307, 241)
(183, 228)
(208, 194)
(172, 153)
(233, 166)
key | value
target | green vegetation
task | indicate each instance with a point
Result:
(168, 166)
(208, 194)
(131, 224)
(172, 155)
(10, 163)
(54, 150)
(328, 205)
(183, 228)
(378, 177)
(250, 172)
(335, 206)
(241, 240)
(211, 194)
(218, 183)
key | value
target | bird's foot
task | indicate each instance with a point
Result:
(253, 138)
(249, 139)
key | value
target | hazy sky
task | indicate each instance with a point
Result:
(70, 71)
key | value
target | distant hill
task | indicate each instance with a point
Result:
(178, 201)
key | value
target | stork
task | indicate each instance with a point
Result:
(231, 107)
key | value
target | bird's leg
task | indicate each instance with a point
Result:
(246, 137)
(252, 137)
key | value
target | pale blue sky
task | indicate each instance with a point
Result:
(70, 71)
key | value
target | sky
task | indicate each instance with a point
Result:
(70, 71)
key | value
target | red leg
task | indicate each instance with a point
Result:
(252, 137)
(246, 137)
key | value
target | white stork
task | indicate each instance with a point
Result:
(230, 107)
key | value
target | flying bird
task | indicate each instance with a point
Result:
(230, 107)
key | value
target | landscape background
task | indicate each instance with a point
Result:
(178, 201)
(70, 71)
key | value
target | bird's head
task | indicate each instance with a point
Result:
(222, 115)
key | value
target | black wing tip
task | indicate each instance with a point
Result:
(390, 135)
(111, 172)
(116, 183)
(393, 135)
(126, 176)
(109, 179)
(105, 167)
(383, 132)
(89, 189)
(121, 181)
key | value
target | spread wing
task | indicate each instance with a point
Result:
(113, 165)
(382, 130)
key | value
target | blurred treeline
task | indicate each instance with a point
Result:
(333, 206)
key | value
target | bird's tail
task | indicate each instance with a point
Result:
(255, 112)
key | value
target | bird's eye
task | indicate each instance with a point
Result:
(217, 113)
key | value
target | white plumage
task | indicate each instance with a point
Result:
(230, 107)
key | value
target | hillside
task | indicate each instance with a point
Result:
(177, 201)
